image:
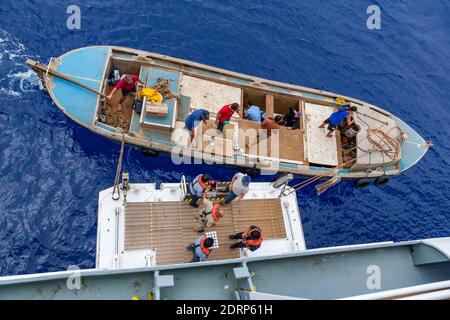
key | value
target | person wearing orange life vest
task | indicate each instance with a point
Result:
(208, 217)
(201, 248)
(199, 187)
(250, 239)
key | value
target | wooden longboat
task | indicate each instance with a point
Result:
(77, 82)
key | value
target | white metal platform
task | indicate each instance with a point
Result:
(111, 249)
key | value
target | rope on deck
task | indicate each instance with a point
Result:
(162, 85)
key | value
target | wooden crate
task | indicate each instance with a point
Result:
(156, 110)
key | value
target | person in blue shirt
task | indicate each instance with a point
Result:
(253, 112)
(344, 113)
(201, 248)
(194, 119)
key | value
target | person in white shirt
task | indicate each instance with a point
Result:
(238, 187)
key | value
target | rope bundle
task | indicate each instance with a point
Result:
(163, 86)
(115, 117)
(387, 145)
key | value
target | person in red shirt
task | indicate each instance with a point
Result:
(128, 84)
(224, 115)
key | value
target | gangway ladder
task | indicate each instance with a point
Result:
(216, 195)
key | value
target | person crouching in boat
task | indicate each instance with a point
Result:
(349, 133)
(127, 84)
(199, 187)
(208, 216)
(250, 239)
(253, 112)
(291, 119)
(269, 124)
(344, 113)
(201, 248)
(224, 115)
(194, 119)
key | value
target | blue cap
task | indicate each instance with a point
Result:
(246, 180)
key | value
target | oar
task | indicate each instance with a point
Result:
(44, 69)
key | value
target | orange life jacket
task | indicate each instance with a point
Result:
(214, 212)
(252, 242)
(202, 246)
(201, 183)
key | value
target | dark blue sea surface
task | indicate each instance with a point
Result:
(51, 169)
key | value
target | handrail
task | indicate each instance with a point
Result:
(183, 185)
(396, 293)
(116, 240)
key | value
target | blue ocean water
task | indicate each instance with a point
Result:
(51, 169)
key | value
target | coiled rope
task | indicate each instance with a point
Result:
(387, 145)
